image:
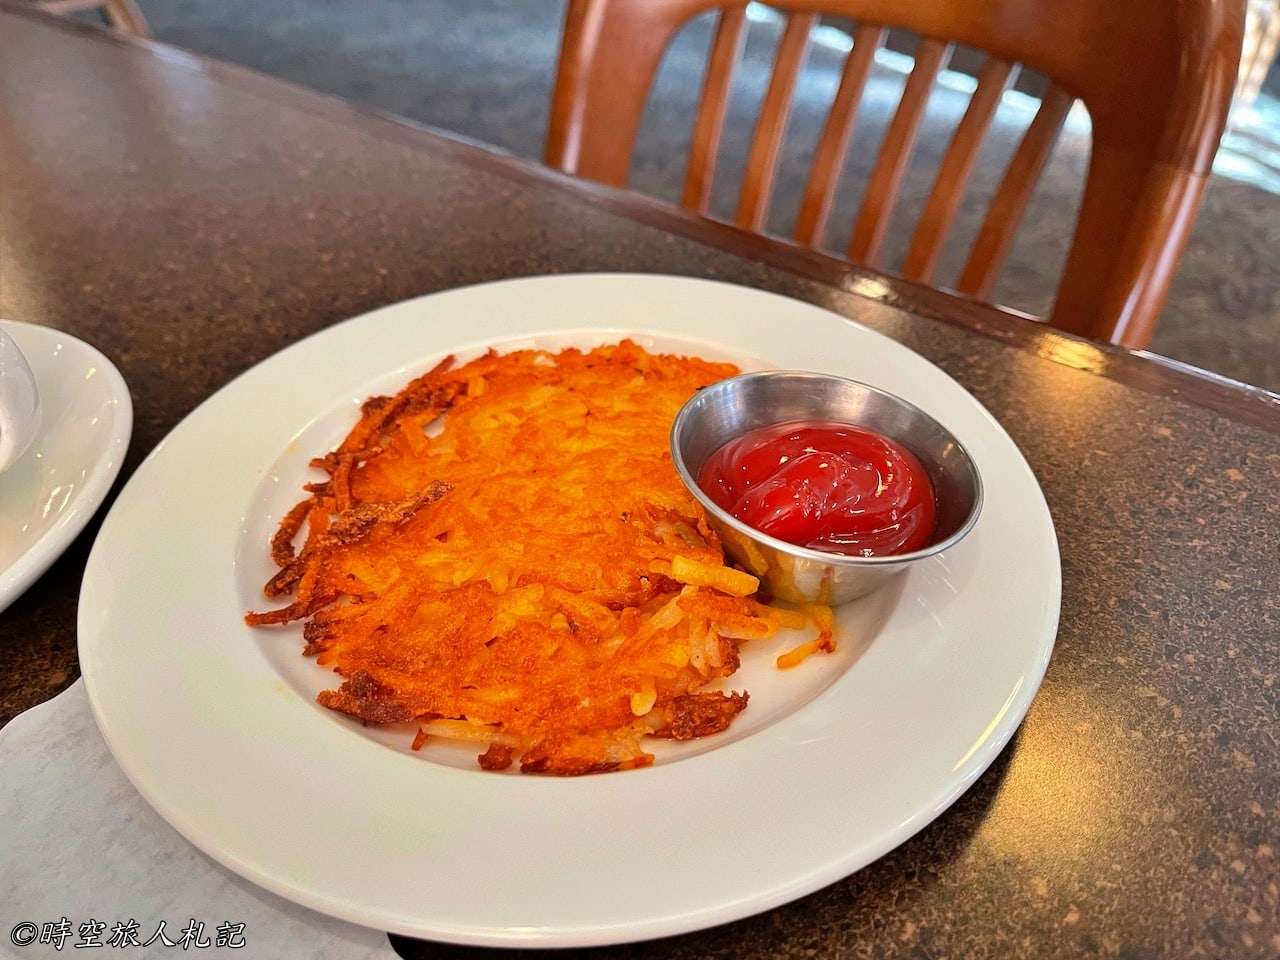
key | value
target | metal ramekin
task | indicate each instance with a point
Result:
(730, 408)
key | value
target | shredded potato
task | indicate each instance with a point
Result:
(502, 554)
(824, 619)
(717, 576)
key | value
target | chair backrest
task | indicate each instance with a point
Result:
(1155, 75)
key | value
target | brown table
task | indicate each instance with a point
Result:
(191, 218)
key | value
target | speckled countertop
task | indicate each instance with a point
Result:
(190, 221)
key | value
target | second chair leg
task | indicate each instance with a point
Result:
(126, 17)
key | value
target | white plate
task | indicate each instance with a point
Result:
(832, 765)
(50, 493)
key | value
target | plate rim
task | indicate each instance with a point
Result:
(976, 763)
(19, 576)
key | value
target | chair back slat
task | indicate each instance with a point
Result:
(725, 50)
(886, 176)
(953, 172)
(828, 158)
(1005, 211)
(762, 161)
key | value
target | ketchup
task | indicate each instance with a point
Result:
(824, 485)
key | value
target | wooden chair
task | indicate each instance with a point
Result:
(1156, 78)
(123, 15)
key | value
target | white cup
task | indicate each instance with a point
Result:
(19, 403)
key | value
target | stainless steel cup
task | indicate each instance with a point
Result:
(730, 408)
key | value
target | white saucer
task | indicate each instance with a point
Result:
(48, 496)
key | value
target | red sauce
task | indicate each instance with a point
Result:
(825, 485)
